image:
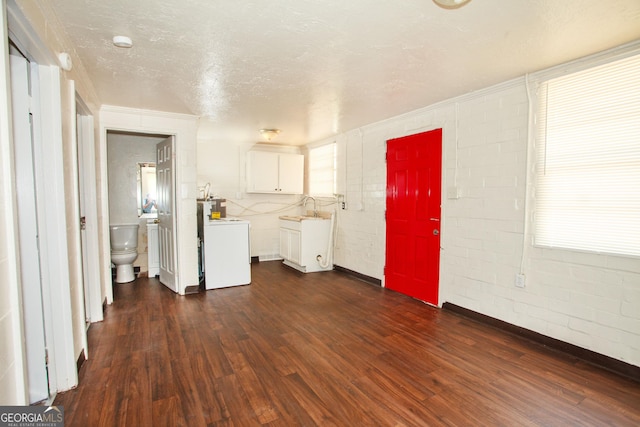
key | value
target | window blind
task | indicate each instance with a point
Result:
(588, 160)
(322, 170)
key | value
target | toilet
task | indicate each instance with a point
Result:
(124, 250)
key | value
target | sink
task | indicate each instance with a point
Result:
(300, 217)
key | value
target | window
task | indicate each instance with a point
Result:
(588, 160)
(322, 170)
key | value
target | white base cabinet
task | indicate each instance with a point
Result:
(153, 250)
(290, 245)
(302, 241)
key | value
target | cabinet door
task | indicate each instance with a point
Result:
(290, 247)
(262, 172)
(284, 244)
(153, 251)
(291, 173)
(295, 247)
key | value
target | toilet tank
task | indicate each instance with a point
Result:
(123, 237)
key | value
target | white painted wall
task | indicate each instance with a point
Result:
(588, 300)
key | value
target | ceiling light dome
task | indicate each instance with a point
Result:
(122, 41)
(269, 134)
(451, 4)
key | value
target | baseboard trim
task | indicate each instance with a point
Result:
(609, 363)
(191, 289)
(359, 276)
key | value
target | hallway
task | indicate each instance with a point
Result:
(324, 349)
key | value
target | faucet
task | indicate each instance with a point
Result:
(315, 206)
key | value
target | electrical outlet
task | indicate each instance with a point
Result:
(344, 205)
(520, 280)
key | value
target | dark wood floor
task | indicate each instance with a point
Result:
(324, 349)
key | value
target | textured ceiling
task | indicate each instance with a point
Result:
(315, 68)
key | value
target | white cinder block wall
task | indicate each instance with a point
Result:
(588, 300)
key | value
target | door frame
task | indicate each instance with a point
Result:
(184, 130)
(415, 133)
(105, 133)
(85, 130)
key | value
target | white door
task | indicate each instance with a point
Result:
(83, 223)
(33, 313)
(165, 188)
(88, 213)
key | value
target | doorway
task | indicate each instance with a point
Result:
(414, 168)
(130, 155)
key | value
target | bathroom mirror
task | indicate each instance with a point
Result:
(146, 177)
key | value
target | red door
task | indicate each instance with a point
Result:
(414, 165)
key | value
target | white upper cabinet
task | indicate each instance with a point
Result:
(278, 173)
(262, 172)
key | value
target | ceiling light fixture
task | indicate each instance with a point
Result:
(122, 41)
(451, 4)
(269, 134)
